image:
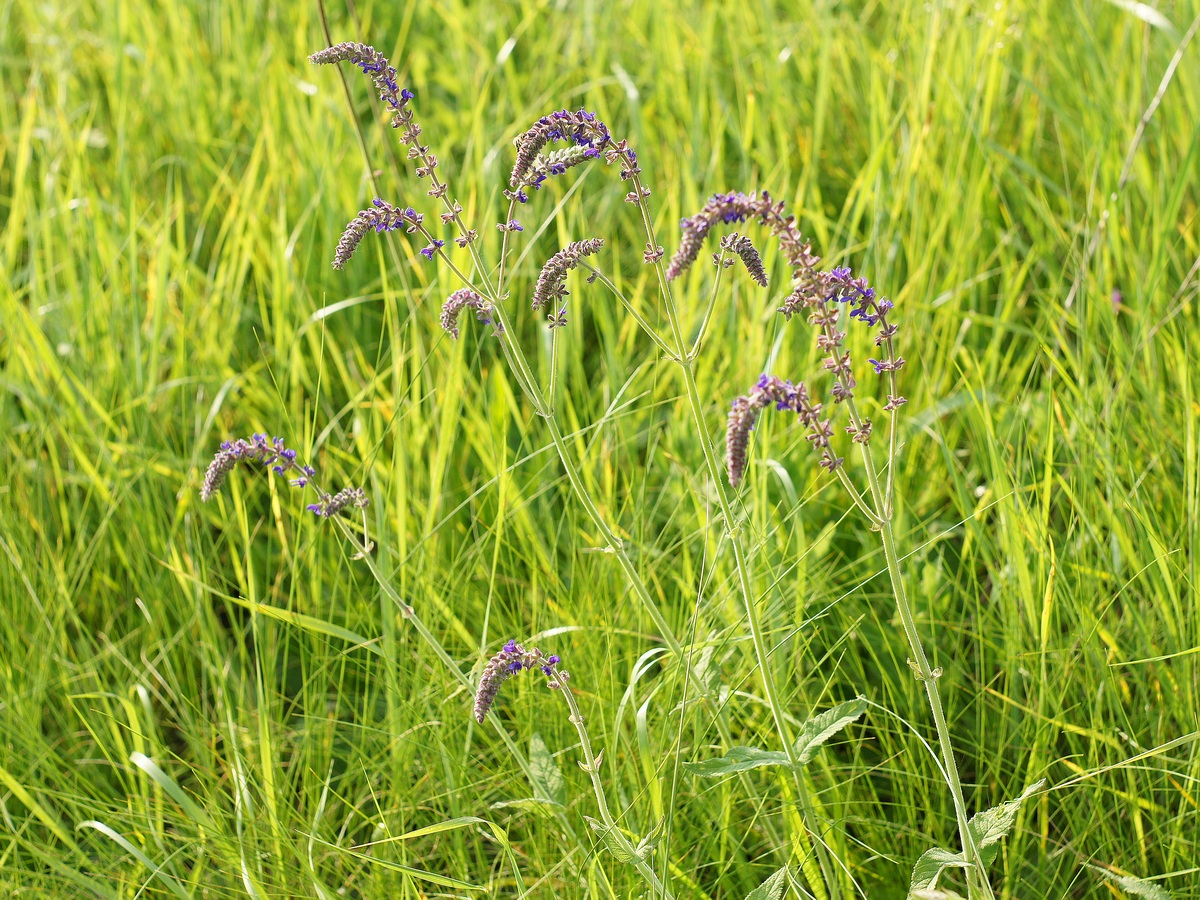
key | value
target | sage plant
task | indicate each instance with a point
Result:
(587, 139)
(548, 148)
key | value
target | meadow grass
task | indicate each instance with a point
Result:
(215, 700)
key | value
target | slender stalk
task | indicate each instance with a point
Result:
(629, 308)
(977, 880)
(593, 770)
(708, 310)
(761, 651)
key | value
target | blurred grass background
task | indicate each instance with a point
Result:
(173, 179)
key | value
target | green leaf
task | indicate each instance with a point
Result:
(934, 894)
(1138, 887)
(536, 805)
(152, 867)
(772, 888)
(548, 782)
(821, 727)
(612, 843)
(738, 759)
(990, 826)
(930, 867)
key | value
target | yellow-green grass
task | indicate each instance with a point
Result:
(186, 679)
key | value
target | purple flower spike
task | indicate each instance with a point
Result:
(511, 659)
(332, 504)
(254, 449)
(376, 66)
(381, 217)
(738, 207)
(461, 299)
(742, 417)
(589, 139)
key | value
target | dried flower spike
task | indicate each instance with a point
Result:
(744, 248)
(551, 283)
(347, 498)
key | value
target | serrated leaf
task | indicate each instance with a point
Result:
(612, 843)
(934, 894)
(991, 825)
(821, 727)
(772, 888)
(930, 867)
(548, 781)
(738, 759)
(1138, 887)
(535, 805)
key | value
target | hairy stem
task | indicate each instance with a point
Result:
(977, 880)
(593, 770)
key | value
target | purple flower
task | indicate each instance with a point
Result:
(382, 217)
(433, 247)
(462, 299)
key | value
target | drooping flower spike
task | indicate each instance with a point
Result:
(735, 207)
(461, 299)
(376, 66)
(381, 217)
(512, 659)
(589, 139)
(282, 461)
(331, 504)
(743, 248)
(552, 282)
(786, 396)
(254, 449)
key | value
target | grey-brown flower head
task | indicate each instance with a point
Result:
(382, 216)
(376, 66)
(255, 449)
(461, 299)
(588, 135)
(552, 282)
(511, 659)
(744, 248)
(736, 206)
(331, 504)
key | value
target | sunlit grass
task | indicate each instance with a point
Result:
(173, 179)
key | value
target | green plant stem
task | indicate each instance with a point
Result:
(593, 770)
(977, 880)
(745, 583)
